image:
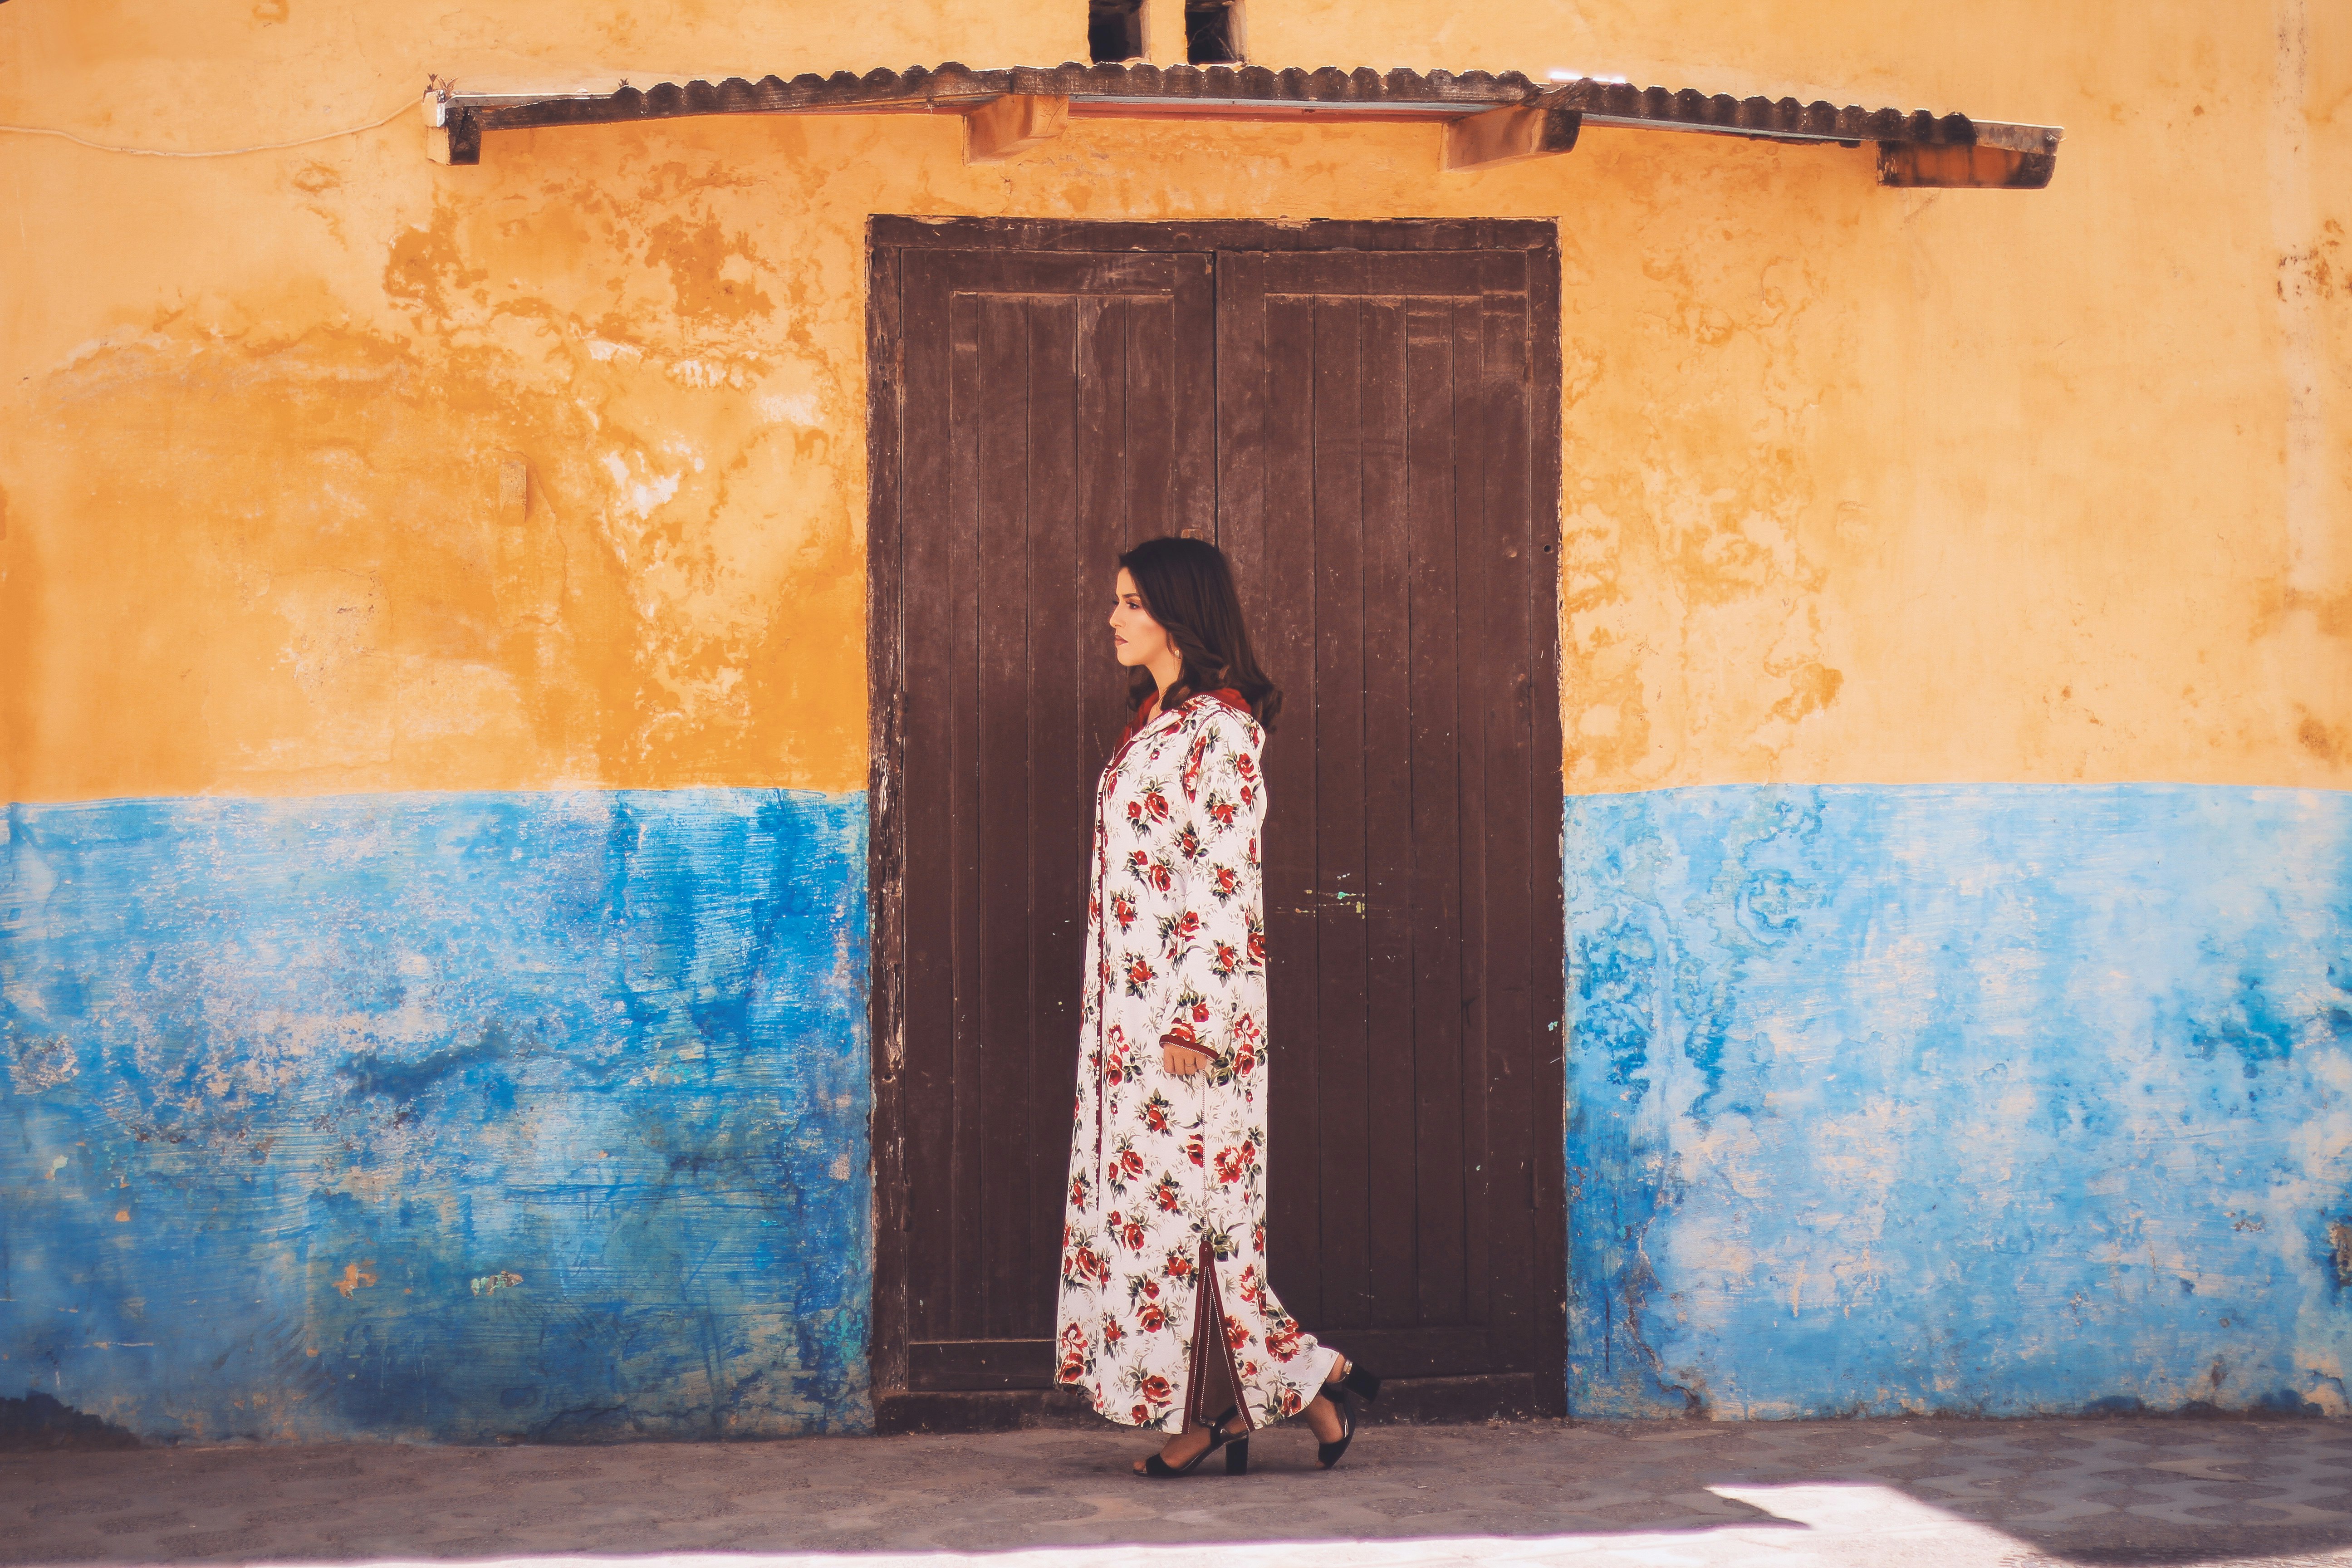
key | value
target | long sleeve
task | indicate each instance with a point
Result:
(1213, 940)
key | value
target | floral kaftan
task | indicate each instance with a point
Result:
(1167, 1198)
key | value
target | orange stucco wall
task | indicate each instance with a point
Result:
(330, 470)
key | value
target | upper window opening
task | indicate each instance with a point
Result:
(1115, 30)
(1213, 32)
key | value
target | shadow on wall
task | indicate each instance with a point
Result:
(454, 1117)
(1994, 1099)
(37, 1422)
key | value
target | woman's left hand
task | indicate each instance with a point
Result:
(1179, 1058)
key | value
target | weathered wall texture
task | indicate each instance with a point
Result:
(326, 471)
(449, 1116)
(2010, 1099)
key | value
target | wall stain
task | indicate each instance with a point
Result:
(371, 1074)
(2249, 1022)
(701, 258)
(427, 266)
(1812, 687)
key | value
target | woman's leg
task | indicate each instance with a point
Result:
(1322, 1416)
(1209, 1380)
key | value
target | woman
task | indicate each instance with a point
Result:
(1164, 1292)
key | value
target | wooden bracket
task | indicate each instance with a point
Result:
(1960, 167)
(1507, 135)
(457, 140)
(1004, 126)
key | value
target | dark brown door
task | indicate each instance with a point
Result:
(1355, 419)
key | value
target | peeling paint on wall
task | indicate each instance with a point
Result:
(437, 1115)
(1981, 1099)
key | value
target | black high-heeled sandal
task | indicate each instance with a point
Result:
(1161, 1469)
(1357, 1382)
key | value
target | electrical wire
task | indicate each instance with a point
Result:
(407, 106)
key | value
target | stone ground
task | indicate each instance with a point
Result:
(1875, 1494)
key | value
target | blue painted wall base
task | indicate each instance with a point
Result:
(1991, 1100)
(467, 1117)
(453, 1117)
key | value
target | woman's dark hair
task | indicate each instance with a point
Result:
(1189, 589)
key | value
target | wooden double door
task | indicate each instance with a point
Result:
(1365, 418)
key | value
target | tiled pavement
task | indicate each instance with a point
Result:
(1877, 1494)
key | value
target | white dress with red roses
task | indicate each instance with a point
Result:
(1167, 1174)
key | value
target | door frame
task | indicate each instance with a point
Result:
(897, 1408)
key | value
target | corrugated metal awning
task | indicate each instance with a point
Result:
(1915, 146)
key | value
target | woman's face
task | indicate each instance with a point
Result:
(1137, 637)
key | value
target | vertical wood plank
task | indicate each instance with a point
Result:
(1340, 869)
(1239, 308)
(1154, 483)
(930, 922)
(1193, 391)
(931, 650)
(1476, 562)
(996, 1091)
(1442, 1155)
(1510, 815)
(1390, 785)
(1102, 460)
(959, 875)
(1057, 775)
(1280, 383)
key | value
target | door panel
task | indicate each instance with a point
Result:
(1385, 397)
(1056, 410)
(1356, 426)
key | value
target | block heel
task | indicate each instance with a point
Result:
(1159, 1468)
(1358, 1384)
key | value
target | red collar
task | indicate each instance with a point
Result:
(1227, 695)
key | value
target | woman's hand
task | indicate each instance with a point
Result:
(1181, 1060)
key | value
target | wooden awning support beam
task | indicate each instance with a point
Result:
(1508, 135)
(1002, 127)
(1913, 165)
